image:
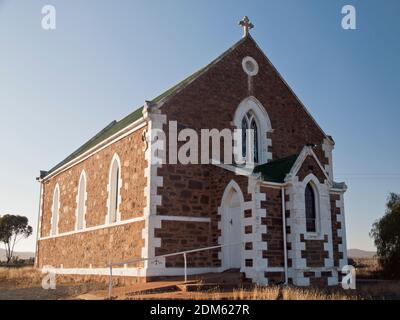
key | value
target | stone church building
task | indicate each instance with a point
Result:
(279, 220)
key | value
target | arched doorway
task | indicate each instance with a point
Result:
(231, 227)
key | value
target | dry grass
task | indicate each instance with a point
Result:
(23, 277)
(275, 293)
(257, 293)
(25, 283)
(367, 268)
(28, 277)
(292, 293)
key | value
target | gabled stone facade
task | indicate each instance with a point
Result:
(169, 208)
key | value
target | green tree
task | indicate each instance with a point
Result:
(386, 234)
(12, 229)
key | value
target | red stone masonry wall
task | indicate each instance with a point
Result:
(273, 221)
(184, 235)
(97, 166)
(321, 282)
(310, 165)
(212, 99)
(99, 246)
(314, 253)
(193, 190)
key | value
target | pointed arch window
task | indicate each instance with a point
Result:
(244, 137)
(114, 190)
(55, 211)
(250, 138)
(255, 140)
(81, 202)
(311, 208)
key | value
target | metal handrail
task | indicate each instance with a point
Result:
(184, 253)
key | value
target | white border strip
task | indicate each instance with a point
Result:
(133, 220)
(139, 272)
(103, 226)
(185, 218)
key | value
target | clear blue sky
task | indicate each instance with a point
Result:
(58, 88)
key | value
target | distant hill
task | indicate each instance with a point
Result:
(21, 255)
(357, 253)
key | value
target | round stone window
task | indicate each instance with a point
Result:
(250, 66)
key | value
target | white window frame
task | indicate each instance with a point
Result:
(322, 203)
(55, 215)
(114, 159)
(81, 215)
(251, 73)
(314, 187)
(251, 104)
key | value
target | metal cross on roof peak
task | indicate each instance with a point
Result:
(246, 25)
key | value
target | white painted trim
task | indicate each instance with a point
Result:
(138, 124)
(342, 231)
(327, 147)
(39, 224)
(252, 60)
(103, 226)
(109, 186)
(85, 196)
(273, 185)
(260, 113)
(139, 272)
(232, 187)
(313, 234)
(242, 171)
(155, 122)
(337, 191)
(260, 264)
(285, 254)
(192, 271)
(185, 218)
(305, 152)
(126, 272)
(55, 216)
(297, 223)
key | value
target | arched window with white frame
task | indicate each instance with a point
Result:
(252, 118)
(55, 210)
(81, 202)
(250, 138)
(114, 190)
(311, 207)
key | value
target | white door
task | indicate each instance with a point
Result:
(234, 230)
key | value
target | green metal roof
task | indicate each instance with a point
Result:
(276, 170)
(107, 132)
(116, 126)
